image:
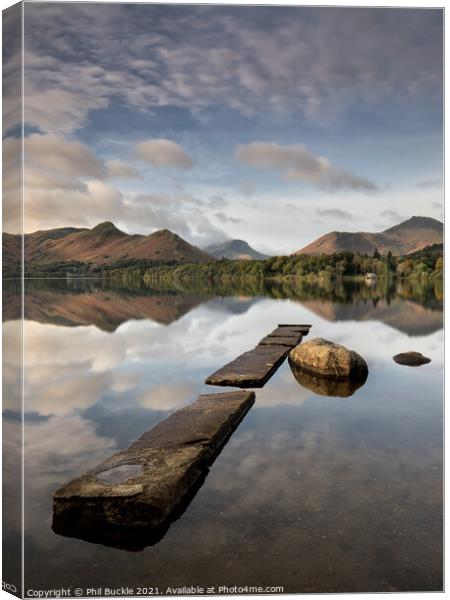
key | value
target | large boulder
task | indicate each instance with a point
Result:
(326, 359)
(327, 386)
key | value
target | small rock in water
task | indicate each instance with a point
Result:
(325, 359)
(411, 359)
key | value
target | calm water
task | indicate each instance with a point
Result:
(313, 493)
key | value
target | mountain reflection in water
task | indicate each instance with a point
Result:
(411, 307)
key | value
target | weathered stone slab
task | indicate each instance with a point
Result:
(251, 369)
(303, 329)
(275, 340)
(143, 487)
(255, 367)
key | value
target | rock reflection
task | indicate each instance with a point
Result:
(326, 386)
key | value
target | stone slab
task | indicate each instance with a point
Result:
(144, 486)
(255, 367)
(277, 340)
(251, 369)
(303, 329)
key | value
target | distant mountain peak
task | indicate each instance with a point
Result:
(235, 250)
(106, 227)
(417, 222)
(410, 235)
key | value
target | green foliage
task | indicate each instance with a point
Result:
(427, 263)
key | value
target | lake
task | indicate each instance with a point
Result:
(314, 493)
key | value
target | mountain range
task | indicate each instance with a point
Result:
(411, 235)
(104, 244)
(235, 250)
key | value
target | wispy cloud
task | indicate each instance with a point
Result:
(429, 184)
(122, 170)
(393, 216)
(76, 62)
(297, 163)
(334, 212)
(223, 218)
(163, 153)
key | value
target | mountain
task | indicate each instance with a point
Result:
(103, 244)
(409, 236)
(401, 314)
(106, 308)
(235, 250)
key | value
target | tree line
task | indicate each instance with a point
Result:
(423, 264)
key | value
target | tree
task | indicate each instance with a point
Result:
(390, 263)
(376, 254)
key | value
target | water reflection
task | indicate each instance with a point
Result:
(352, 487)
(409, 306)
(326, 386)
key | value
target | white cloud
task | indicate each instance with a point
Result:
(163, 153)
(167, 396)
(297, 163)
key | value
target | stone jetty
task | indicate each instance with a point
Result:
(130, 499)
(255, 367)
(142, 488)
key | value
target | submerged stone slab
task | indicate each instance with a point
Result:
(143, 487)
(255, 367)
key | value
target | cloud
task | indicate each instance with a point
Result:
(167, 396)
(248, 188)
(53, 152)
(429, 184)
(163, 153)
(225, 219)
(297, 163)
(76, 61)
(393, 216)
(12, 69)
(217, 201)
(121, 169)
(334, 212)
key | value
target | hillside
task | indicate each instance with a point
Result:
(409, 236)
(101, 245)
(106, 309)
(235, 250)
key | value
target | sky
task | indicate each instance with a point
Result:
(270, 124)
